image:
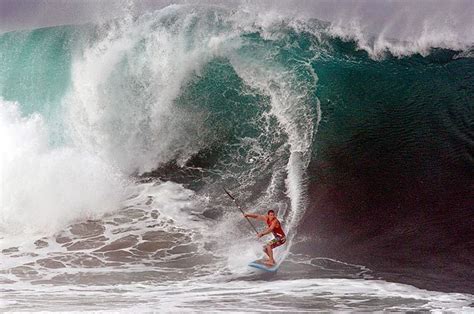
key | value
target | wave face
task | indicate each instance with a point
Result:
(118, 137)
(392, 177)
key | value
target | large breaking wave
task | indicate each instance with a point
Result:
(111, 130)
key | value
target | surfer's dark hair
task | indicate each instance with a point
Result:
(270, 211)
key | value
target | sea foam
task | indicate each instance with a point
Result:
(42, 187)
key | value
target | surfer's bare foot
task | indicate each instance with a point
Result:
(269, 263)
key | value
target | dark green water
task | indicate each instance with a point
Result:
(393, 165)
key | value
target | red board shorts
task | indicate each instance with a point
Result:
(277, 242)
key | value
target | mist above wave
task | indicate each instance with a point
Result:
(399, 27)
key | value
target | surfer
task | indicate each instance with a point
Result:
(274, 226)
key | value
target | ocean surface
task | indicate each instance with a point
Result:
(117, 139)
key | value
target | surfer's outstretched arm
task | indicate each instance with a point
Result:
(259, 217)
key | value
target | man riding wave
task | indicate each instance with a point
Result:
(274, 226)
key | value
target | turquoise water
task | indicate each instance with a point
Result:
(35, 72)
